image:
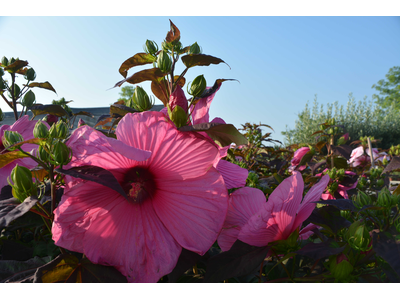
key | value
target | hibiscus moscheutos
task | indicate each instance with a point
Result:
(359, 157)
(258, 223)
(234, 176)
(349, 182)
(24, 127)
(297, 156)
(177, 199)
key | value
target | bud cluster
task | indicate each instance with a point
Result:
(22, 183)
(140, 100)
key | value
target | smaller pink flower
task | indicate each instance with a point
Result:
(257, 223)
(298, 155)
(178, 98)
(342, 189)
(359, 157)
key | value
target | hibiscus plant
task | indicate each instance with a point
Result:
(172, 196)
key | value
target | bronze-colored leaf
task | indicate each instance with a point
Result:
(83, 113)
(212, 90)
(320, 145)
(44, 85)
(8, 157)
(156, 88)
(39, 173)
(185, 50)
(181, 81)
(393, 166)
(15, 66)
(118, 110)
(137, 60)
(102, 120)
(191, 60)
(174, 34)
(22, 71)
(52, 109)
(153, 74)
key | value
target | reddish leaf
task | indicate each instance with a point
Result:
(174, 34)
(153, 74)
(104, 119)
(52, 109)
(118, 110)
(15, 66)
(137, 60)
(9, 157)
(44, 85)
(83, 113)
(191, 60)
(394, 165)
(18, 211)
(181, 81)
(156, 88)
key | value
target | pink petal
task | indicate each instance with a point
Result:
(184, 155)
(306, 207)
(200, 112)
(234, 176)
(178, 98)
(194, 210)
(243, 204)
(306, 232)
(91, 147)
(290, 193)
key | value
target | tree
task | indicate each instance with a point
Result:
(126, 93)
(389, 89)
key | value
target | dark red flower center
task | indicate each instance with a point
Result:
(139, 184)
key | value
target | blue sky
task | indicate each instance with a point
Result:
(280, 62)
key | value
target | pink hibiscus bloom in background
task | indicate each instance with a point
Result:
(297, 156)
(342, 189)
(360, 158)
(257, 223)
(24, 127)
(177, 198)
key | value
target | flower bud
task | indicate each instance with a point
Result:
(178, 116)
(358, 237)
(12, 60)
(53, 131)
(2, 84)
(164, 62)
(198, 86)
(61, 154)
(62, 129)
(17, 90)
(340, 267)
(81, 123)
(361, 200)
(30, 74)
(151, 47)
(10, 138)
(42, 154)
(29, 99)
(140, 100)
(23, 186)
(4, 61)
(1, 72)
(40, 130)
(384, 198)
(50, 119)
(194, 49)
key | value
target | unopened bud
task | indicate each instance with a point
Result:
(151, 47)
(17, 90)
(140, 100)
(1, 72)
(4, 61)
(194, 49)
(384, 198)
(358, 237)
(42, 154)
(62, 129)
(340, 267)
(198, 86)
(178, 116)
(2, 84)
(10, 138)
(81, 123)
(61, 154)
(164, 62)
(361, 200)
(29, 99)
(40, 131)
(22, 185)
(30, 74)
(50, 119)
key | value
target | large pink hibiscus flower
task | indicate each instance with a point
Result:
(359, 157)
(177, 198)
(24, 127)
(257, 223)
(297, 156)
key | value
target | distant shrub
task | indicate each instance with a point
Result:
(359, 119)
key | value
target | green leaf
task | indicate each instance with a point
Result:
(319, 250)
(44, 85)
(192, 60)
(68, 268)
(153, 74)
(137, 60)
(52, 109)
(95, 174)
(389, 249)
(222, 134)
(338, 162)
(9, 157)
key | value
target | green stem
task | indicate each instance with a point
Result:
(14, 99)
(5, 99)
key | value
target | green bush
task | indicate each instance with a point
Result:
(360, 119)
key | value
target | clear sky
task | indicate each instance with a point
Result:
(280, 62)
